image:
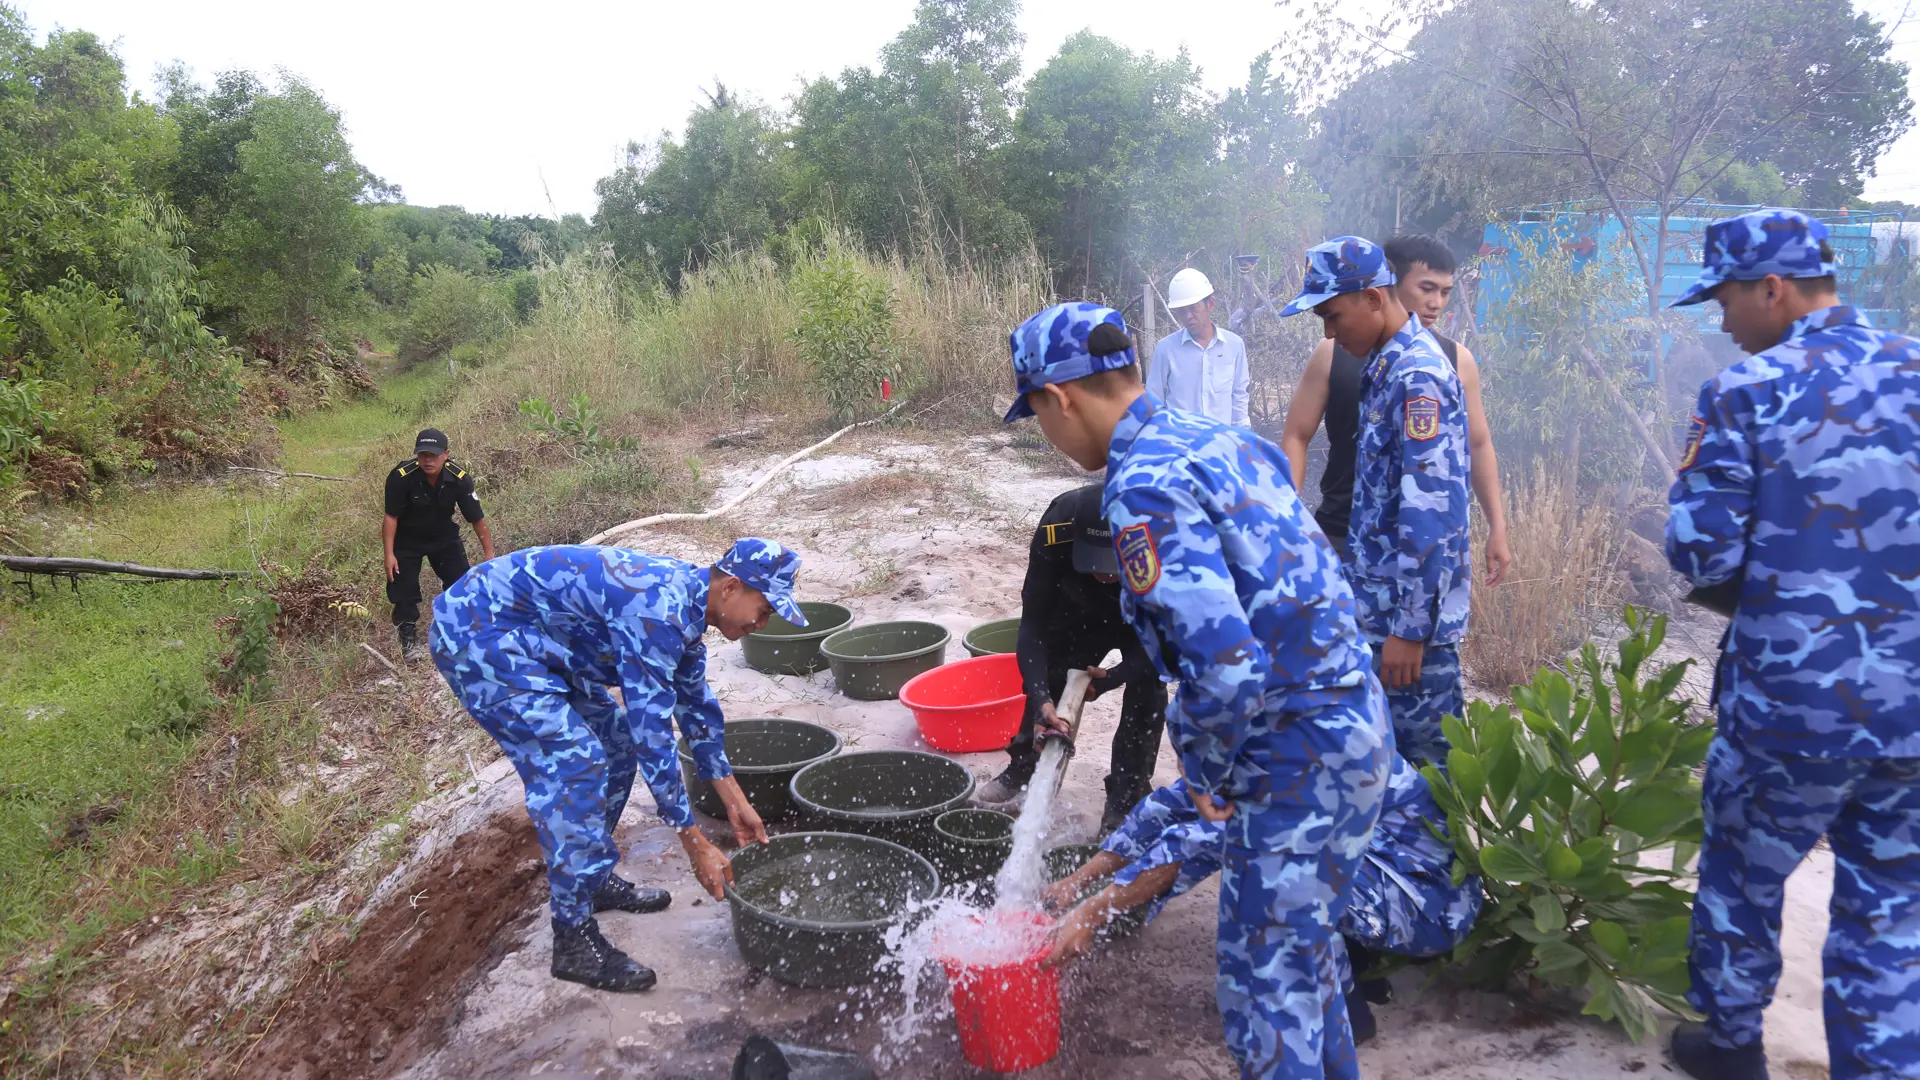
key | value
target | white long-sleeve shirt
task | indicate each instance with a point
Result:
(1211, 381)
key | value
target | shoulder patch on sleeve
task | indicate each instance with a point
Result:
(1696, 430)
(1139, 558)
(1423, 418)
(458, 472)
(406, 468)
(1058, 532)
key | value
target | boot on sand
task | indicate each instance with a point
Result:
(619, 894)
(409, 634)
(1698, 1056)
(582, 955)
(1010, 786)
(1360, 1019)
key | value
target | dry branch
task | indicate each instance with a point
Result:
(611, 535)
(54, 565)
(284, 475)
(1640, 428)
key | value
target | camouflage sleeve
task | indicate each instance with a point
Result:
(1151, 816)
(701, 720)
(647, 689)
(1193, 845)
(1712, 495)
(1172, 563)
(1433, 498)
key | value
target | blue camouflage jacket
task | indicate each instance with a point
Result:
(1234, 592)
(1164, 828)
(556, 619)
(1801, 475)
(1408, 532)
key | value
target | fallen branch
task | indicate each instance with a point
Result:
(284, 475)
(1640, 428)
(55, 566)
(375, 653)
(611, 535)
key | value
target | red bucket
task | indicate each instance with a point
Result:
(1008, 1014)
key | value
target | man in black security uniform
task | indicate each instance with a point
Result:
(1070, 618)
(421, 496)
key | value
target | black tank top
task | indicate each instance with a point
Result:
(1343, 437)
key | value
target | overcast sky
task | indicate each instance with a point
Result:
(519, 108)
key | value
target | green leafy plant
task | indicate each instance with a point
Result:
(578, 427)
(247, 667)
(845, 333)
(1556, 807)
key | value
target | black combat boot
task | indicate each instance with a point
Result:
(582, 955)
(409, 634)
(619, 894)
(1360, 1018)
(1363, 960)
(1698, 1056)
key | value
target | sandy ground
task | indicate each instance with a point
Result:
(940, 533)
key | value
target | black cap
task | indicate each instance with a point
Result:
(430, 441)
(1092, 535)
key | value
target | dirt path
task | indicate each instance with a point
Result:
(939, 533)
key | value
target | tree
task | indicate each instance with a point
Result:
(674, 204)
(281, 258)
(908, 154)
(1114, 160)
(1646, 106)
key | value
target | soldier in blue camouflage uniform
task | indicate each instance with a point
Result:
(1799, 494)
(1279, 722)
(1403, 900)
(530, 642)
(1408, 533)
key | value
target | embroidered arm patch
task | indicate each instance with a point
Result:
(1139, 558)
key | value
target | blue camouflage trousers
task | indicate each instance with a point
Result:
(1764, 811)
(577, 758)
(1281, 1003)
(1417, 708)
(1407, 914)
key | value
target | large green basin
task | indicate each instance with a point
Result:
(813, 909)
(892, 794)
(874, 661)
(998, 636)
(974, 844)
(765, 752)
(781, 648)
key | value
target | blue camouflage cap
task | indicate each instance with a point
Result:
(1063, 343)
(1755, 244)
(1343, 264)
(768, 567)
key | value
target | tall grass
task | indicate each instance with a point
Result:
(1567, 576)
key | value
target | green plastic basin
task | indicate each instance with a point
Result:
(872, 662)
(1065, 859)
(998, 636)
(813, 909)
(892, 794)
(781, 648)
(765, 752)
(973, 843)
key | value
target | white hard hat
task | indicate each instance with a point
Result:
(1189, 286)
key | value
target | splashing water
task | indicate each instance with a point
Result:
(1023, 876)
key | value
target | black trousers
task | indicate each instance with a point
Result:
(403, 592)
(1136, 742)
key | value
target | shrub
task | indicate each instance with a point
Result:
(1556, 807)
(178, 706)
(845, 333)
(452, 307)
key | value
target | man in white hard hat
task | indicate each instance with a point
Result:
(1203, 368)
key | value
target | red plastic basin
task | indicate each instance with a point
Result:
(970, 706)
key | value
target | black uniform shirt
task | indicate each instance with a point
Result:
(425, 510)
(1061, 607)
(1343, 437)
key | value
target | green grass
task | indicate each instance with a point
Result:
(90, 683)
